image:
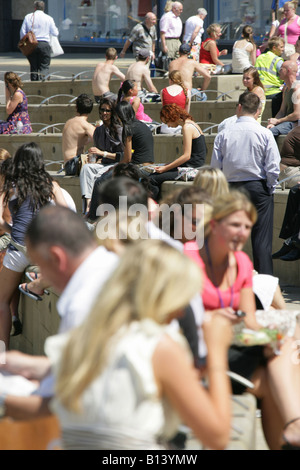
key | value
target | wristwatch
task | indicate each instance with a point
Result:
(105, 154)
(2, 406)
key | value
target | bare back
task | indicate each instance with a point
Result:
(102, 76)
(139, 71)
(186, 67)
(76, 134)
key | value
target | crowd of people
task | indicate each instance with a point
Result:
(155, 293)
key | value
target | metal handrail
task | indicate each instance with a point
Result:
(51, 126)
(46, 100)
(53, 74)
(80, 73)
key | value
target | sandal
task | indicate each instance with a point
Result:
(29, 293)
(17, 328)
(288, 445)
(33, 278)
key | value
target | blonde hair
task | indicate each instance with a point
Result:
(168, 6)
(226, 205)
(176, 78)
(147, 284)
(4, 154)
(212, 181)
(212, 28)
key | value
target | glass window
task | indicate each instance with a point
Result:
(234, 15)
(97, 21)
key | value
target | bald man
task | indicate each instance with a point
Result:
(289, 113)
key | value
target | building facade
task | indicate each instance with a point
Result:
(103, 23)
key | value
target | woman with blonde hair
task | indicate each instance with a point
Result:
(211, 180)
(227, 288)
(124, 375)
(176, 92)
(209, 52)
(244, 51)
(16, 106)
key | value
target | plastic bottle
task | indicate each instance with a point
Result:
(152, 68)
(19, 127)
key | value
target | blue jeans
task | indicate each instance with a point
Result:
(283, 128)
(200, 95)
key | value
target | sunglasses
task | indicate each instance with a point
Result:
(104, 110)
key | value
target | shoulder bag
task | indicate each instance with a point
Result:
(28, 42)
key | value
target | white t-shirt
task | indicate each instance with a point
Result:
(190, 25)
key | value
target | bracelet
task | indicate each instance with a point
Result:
(105, 154)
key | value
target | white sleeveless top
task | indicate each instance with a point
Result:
(122, 408)
(240, 58)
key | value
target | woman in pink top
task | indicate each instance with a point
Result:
(128, 92)
(176, 92)
(227, 288)
(289, 27)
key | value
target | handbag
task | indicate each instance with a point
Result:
(29, 42)
(56, 48)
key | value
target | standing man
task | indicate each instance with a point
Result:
(188, 67)
(103, 73)
(43, 26)
(170, 31)
(142, 36)
(248, 155)
(193, 32)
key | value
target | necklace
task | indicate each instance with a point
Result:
(213, 279)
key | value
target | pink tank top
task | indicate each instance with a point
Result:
(293, 30)
(140, 115)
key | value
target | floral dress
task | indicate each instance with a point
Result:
(20, 112)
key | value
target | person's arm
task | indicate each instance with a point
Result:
(149, 84)
(127, 150)
(3, 224)
(187, 133)
(102, 153)
(125, 47)
(212, 48)
(136, 103)
(205, 74)
(118, 73)
(26, 408)
(247, 305)
(253, 55)
(194, 34)
(217, 157)
(30, 367)
(53, 29)
(294, 116)
(12, 100)
(206, 412)
(58, 195)
(163, 42)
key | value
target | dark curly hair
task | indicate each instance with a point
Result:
(26, 174)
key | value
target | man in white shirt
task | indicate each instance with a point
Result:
(43, 26)
(69, 258)
(193, 32)
(170, 31)
(248, 155)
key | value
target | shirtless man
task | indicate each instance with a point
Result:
(77, 132)
(187, 67)
(102, 76)
(139, 72)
